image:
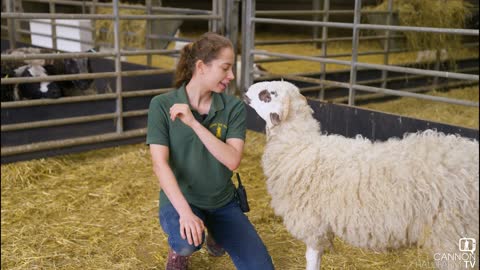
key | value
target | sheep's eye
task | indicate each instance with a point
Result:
(274, 93)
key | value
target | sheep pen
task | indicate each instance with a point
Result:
(99, 209)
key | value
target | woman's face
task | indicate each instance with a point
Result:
(218, 73)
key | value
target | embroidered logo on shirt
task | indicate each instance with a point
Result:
(217, 129)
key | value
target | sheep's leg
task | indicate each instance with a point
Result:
(314, 258)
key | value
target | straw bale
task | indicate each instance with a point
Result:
(431, 13)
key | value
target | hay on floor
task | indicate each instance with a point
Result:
(98, 210)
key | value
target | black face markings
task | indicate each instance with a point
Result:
(247, 100)
(264, 96)
(275, 118)
(274, 93)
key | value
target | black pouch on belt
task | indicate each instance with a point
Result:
(242, 196)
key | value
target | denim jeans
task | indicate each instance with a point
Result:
(229, 227)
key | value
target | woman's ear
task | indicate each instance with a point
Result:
(200, 67)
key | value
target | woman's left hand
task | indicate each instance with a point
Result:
(182, 111)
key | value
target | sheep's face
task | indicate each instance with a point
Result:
(270, 100)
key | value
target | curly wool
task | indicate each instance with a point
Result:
(420, 190)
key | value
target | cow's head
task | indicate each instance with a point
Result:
(76, 66)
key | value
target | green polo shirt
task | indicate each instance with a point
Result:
(204, 181)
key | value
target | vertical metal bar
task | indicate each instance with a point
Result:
(323, 75)
(118, 67)
(148, 45)
(353, 68)
(213, 24)
(53, 25)
(315, 6)
(11, 25)
(93, 10)
(221, 11)
(248, 36)
(386, 44)
(437, 67)
(231, 32)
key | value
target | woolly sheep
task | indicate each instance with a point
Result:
(419, 190)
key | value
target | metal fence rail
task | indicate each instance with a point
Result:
(215, 18)
(248, 51)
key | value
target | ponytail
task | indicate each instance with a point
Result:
(185, 66)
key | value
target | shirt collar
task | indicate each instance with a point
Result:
(217, 101)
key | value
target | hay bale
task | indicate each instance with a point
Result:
(132, 32)
(430, 13)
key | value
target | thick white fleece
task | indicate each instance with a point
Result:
(422, 189)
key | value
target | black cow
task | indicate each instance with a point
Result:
(36, 90)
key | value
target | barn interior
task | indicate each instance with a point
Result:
(77, 186)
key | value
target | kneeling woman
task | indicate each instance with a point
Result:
(196, 136)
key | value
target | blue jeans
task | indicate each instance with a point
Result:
(230, 228)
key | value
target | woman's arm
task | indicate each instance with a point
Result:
(229, 153)
(191, 226)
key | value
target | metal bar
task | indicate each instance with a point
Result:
(81, 76)
(423, 88)
(213, 25)
(118, 67)
(9, 57)
(103, 17)
(386, 44)
(248, 36)
(49, 145)
(353, 67)
(381, 90)
(311, 12)
(65, 100)
(10, 24)
(93, 10)
(87, 28)
(326, 8)
(57, 122)
(299, 41)
(53, 27)
(315, 17)
(444, 74)
(148, 41)
(70, 120)
(371, 26)
(56, 37)
(301, 57)
(124, 6)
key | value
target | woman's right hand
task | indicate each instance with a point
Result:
(191, 228)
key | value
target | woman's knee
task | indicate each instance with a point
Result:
(184, 250)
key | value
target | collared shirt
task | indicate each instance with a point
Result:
(204, 181)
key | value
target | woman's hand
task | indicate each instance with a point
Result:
(182, 111)
(191, 228)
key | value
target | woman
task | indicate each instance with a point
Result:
(196, 136)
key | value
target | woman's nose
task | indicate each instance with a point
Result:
(230, 75)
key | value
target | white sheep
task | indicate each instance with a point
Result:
(421, 190)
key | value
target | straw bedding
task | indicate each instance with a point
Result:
(98, 210)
